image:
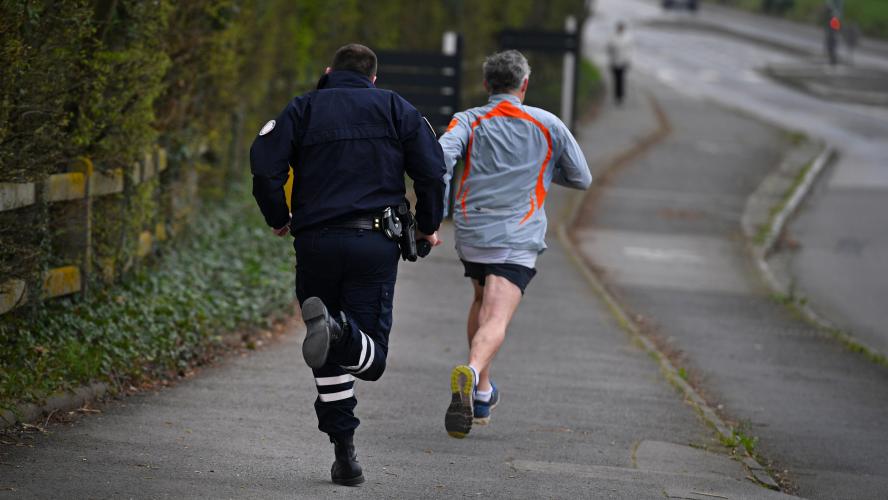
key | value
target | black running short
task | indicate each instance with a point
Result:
(516, 274)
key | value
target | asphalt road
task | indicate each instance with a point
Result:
(842, 262)
(666, 234)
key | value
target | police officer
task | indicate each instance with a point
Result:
(350, 145)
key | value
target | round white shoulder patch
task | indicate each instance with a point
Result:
(268, 127)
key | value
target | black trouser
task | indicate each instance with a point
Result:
(351, 270)
(619, 74)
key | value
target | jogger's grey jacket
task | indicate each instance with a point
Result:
(513, 154)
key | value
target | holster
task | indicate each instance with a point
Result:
(407, 242)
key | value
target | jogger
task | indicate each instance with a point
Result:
(513, 153)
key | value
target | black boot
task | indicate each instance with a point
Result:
(346, 469)
(321, 331)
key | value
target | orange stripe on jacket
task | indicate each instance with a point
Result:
(508, 110)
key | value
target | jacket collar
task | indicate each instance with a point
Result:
(495, 98)
(344, 79)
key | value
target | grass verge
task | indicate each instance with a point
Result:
(229, 272)
(765, 229)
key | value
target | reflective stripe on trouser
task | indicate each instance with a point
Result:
(335, 388)
(357, 356)
(362, 358)
(336, 400)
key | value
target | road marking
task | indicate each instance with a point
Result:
(662, 255)
(687, 262)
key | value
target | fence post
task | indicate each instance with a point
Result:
(451, 45)
(85, 165)
(568, 78)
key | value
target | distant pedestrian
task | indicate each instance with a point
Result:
(619, 56)
(830, 19)
(513, 153)
(350, 145)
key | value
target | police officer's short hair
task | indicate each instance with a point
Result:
(505, 71)
(355, 57)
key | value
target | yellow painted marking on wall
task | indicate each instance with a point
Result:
(288, 188)
(70, 186)
(12, 294)
(83, 165)
(16, 195)
(145, 241)
(102, 183)
(160, 231)
(61, 281)
(161, 159)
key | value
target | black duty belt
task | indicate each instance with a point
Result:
(368, 222)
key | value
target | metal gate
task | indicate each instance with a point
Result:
(428, 80)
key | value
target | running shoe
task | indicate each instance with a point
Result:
(458, 420)
(482, 408)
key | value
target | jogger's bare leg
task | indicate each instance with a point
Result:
(472, 326)
(500, 299)
(474, 309)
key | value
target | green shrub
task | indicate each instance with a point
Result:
(229, 272)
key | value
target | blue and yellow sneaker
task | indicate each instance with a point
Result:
(458, 420)
(482, 408)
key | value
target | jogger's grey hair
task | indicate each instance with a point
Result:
(505, 71)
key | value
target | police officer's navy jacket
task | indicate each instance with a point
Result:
(513, 154)
(349, 144)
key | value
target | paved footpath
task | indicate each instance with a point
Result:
(585, 414)
(666, 234)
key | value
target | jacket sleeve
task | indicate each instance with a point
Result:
(571, 169)
(270, 164)
(424, 163)
(453, 143)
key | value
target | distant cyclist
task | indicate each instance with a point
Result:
(512, 155)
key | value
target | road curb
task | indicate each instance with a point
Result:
(776, 224)
(61, 402)
(808, 85)
(774, 228)
(757, 471)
